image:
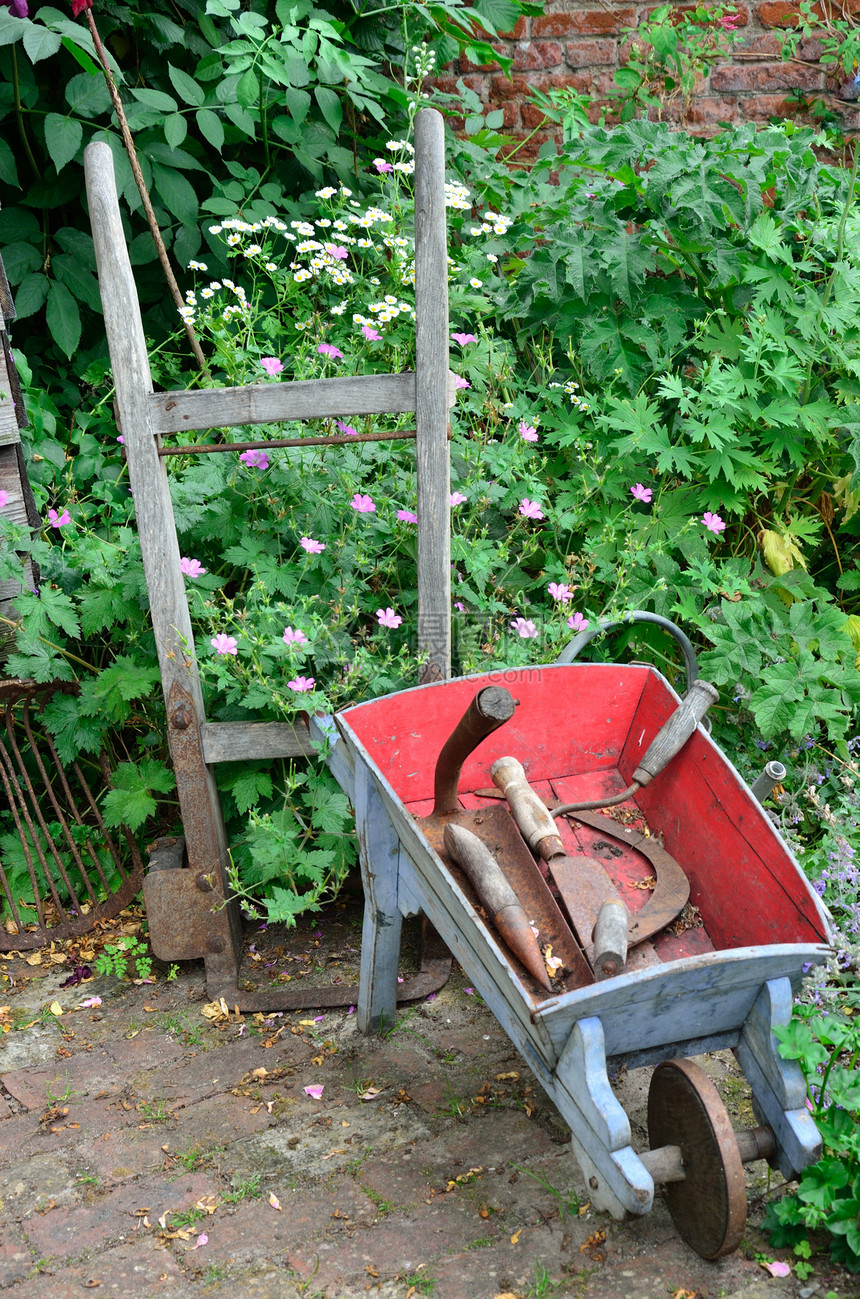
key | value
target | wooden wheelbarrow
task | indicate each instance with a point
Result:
(743, 923)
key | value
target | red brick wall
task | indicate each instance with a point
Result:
(580, 43)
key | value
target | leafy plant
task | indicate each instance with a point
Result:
(116, 958)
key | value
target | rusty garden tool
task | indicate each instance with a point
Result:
(494, 827)
(585, 887)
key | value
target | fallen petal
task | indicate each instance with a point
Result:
(275, 1202)
(315, 1090)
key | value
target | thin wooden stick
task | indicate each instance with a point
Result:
(128, 141)
(332, 441)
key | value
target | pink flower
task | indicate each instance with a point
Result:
(292, 636)
(560, 591)
(458, 604)
(530, 509)
(191, 567)
(640, 493)
(301, 683)
(346, 428)
(406, 516)
(524, 627)
(388, 618)
(463, 339)
(89, 1002)
(315, 1091)
(327, 349)
(457, 498)
(381, 165)
(576, 622)
(121, 439)
(777, 1269)
(271, 365)
(363, 503)
(337, 251)
(713, 523)
(373, 335)
(527, 432)
(729, 22)
(4, 499)
(57, 520)
(255, 459)
(202, 1240)
(224, 644)
(460, 382)
(311, 546)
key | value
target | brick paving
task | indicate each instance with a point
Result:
(145, 1150)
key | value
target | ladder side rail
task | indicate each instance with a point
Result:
(432, 397)
(198, 795)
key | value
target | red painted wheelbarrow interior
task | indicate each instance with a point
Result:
(579, 730)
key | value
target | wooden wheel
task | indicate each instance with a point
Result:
(709, 1207)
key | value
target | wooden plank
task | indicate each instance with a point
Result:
(380, 936)
(695, 997)
(9, 431)
(274, 403)
(675, 1050)
(431, 397)
(251, 741)
(171, 622)
(337, 755)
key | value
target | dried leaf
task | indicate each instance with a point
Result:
(275, 1202)
(516, 1236)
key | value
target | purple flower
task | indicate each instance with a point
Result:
(524, 627)
(388, 618)
(300, 684)
(224, 644)
(560, 591)
(457, 498)
(406, 516)
(530, 509)
(57, 520)
(337, 251)
(191, 567)
(463, 339)
(328, 349)
(17, 8)
(78, 975)
(311, 546)
(255, 459)
(527, 432)
(640, 493)
(271, 365)
(713, 522)
(576, 622)
(292, 636)
(373, 335)
(346, 428)
(363, 503)
(460, 382)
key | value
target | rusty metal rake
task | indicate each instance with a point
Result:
(77, 874)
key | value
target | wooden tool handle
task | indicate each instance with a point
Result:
(610, 939)
(528, 809)
(674, 734)
(482, 868)
(490, 709)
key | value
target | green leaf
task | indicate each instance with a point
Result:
(19, 260)
(73, 732)
(63, 317)
(130, 807)
(30, 295)
(178, 194)
(211, 127)
(40, 43)
(186, 87)
(63, 136)
(11, 29)
(8, 169)
(175, 129)
(154, 99)
(298, 102)
(628, 78)
(247, 89)
(249, 787)
(79, 281)
(331, 107)
(498, 16)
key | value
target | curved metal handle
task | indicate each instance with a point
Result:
(571, 650)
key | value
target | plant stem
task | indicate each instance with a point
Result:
(19, 114)
(128, 141)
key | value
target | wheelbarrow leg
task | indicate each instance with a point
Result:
(778, 1085)
(379, 850)
(616, 1180)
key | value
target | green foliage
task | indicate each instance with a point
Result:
(116, 958)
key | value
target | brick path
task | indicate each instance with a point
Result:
(432, 1164)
